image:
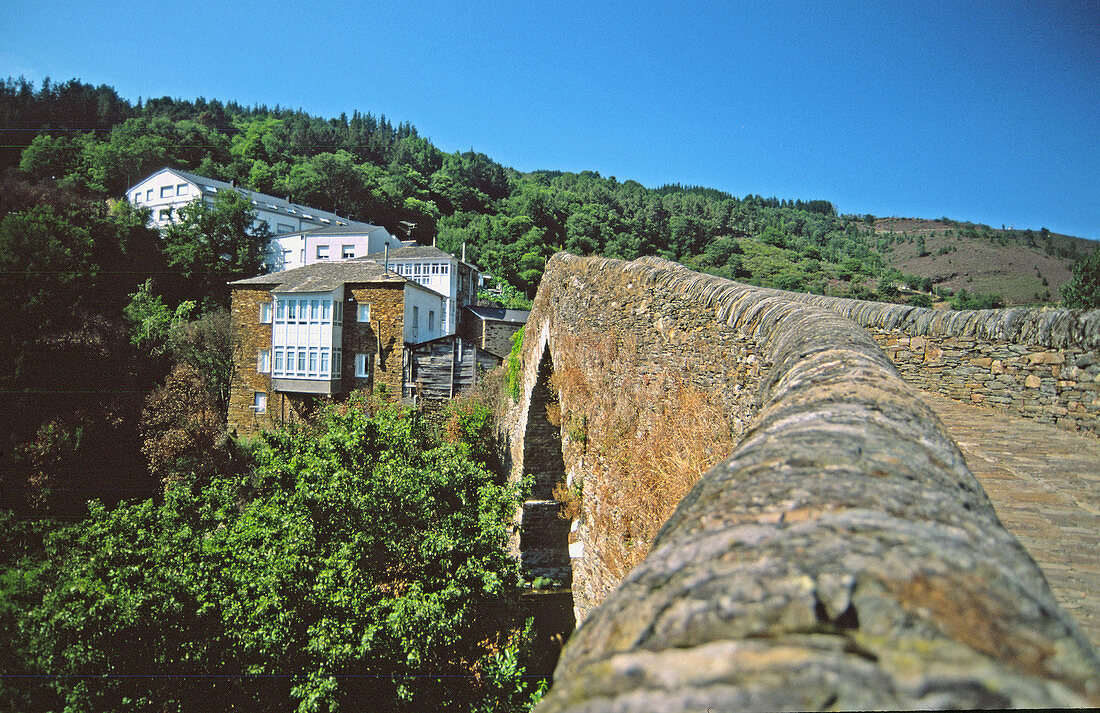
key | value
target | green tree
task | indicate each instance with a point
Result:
(212, 245)
(1083, 289)
(362, 563)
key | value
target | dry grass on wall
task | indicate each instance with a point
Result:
(642, 441)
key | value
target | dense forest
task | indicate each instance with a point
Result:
(135, 533)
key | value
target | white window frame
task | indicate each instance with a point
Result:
(182, 189)
(259, 401)
(362, 365)
(265, 313)
(347, 252)
(167, 191)
(322, 252)
(263, 361)
(362, 313)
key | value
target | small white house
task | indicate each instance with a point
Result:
(342, 242)
(169, 189)
(437, 270)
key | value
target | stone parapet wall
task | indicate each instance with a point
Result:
(842, 557)
(1039, 363)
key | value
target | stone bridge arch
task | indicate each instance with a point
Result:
(839, 554)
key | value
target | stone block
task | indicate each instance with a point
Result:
(1032, 381)
(1048, 357)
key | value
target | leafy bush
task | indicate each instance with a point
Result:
(515, 366)
(363, 562)
(1083, 289)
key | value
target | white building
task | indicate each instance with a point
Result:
(341, 242)
(169, 189)
(437, 270)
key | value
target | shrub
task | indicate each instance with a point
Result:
(363, 562)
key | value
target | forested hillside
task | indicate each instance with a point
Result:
(365, 167)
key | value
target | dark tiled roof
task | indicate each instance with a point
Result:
(412, 252)
(323, 276)
(501, 314)
(271, 203)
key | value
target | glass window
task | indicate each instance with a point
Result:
(280, 310)
(182, 189)
(265, 312)
(338, 312)
(284, 228)
(324, 362)
(301, 361)
(338, 361)
(326, 310)
(444, 269)
(290, 317)
(435, 268)
(148, 195)
(364, 313)
(362, 365)
(303, 310)
(263, 361)
(313, 362)
(166, 191)
(347, 252)
(322, 252)
(259, 401)
(416, 316)
(278, 361)
(137, 197)
(431, 320)
(314, 310)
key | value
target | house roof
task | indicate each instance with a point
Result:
(279, 206)
(351, 229)
(323, 277)
(412, 252)
(500, 314)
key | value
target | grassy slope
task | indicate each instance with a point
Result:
(979, 263)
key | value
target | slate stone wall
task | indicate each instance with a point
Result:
(1039, 363)
(249, 337)
(383, 337)
(842, 557)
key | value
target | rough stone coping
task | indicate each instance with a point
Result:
(842, 557)
(1043, 327)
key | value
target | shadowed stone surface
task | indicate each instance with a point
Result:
(843, 556)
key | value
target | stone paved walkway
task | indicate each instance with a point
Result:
(1045, 484)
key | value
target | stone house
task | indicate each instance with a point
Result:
(308, 335)
(491, 328)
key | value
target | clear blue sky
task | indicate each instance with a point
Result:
(986, 111)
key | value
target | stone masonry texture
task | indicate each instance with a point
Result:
(250, 335)
(843, 556)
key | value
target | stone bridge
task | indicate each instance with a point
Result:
(837, 551)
